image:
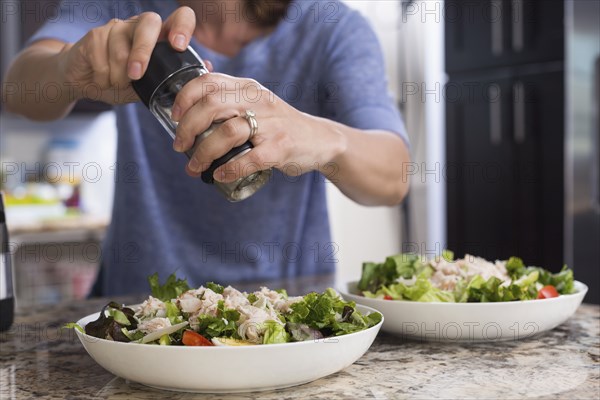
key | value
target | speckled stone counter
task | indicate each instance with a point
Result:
(40, 361)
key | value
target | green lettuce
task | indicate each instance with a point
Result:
(223, 325)
(422, 290)
(515, 268)
(563, 281)
(215, 287)
(173, 313)
(493, 290)
(73, 325)
(171, 289)
(330, 314)
(376, 275)
(275, 333)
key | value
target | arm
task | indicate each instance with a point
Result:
(40, 65)
(368, 165)
(365, 164)
(99, 66)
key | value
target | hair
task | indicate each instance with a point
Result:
(267, 13)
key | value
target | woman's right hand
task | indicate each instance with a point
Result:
(103, 63)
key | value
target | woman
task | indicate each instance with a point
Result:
(322, 109)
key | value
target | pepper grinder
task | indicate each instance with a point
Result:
(7, 301)
(168, 71)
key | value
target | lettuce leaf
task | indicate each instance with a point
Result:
(515, 268)
(172, 288)
(563, 281)
(376, 275)
(422, 290)
(173, 313)
(479, 290)
(73, 325)
(275, 333)
(215, 287)
(330, 314)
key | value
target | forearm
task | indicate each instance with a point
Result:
(35, 85)
(368, 166)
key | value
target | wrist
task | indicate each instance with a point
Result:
(332, 144)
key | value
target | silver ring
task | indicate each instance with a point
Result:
(251, 118)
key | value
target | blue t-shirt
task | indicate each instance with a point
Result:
(324, 59)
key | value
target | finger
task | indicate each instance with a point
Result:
(192, 173)
(197, 120)
(231, 133)
(96, 51)
(204, 89)
(145, 35)
(119, 47)
(179, 28)
(253, 161)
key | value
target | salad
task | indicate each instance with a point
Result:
(470, 279)
(213, 315)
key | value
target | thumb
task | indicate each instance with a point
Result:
(209, 65)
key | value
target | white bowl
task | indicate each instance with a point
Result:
(466, 322)
(222, 369)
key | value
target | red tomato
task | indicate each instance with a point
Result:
(191, 338)
(387, 297)
(547, 292)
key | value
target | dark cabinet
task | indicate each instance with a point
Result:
(480, 167)
(538, 125)
(497, 33)
(505, 129)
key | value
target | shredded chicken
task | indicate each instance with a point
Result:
(234, 298)
(447, 273)
(276, 299)
(152, 307)
(201, 301)
(252, 322)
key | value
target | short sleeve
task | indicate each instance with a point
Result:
(74, 19)
(354, 80)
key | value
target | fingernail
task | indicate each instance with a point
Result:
(194, 165)
(179, 41)
(135, 70)
(219, 175)
(176, 113)
(178, 144)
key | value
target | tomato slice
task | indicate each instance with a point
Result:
(387, 297)
(547, 292)
(191, 338)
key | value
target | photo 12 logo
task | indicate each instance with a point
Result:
(468, 331)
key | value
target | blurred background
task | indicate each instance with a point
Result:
(501, 102)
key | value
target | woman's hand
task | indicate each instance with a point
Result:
(103, 63)
(286, 138)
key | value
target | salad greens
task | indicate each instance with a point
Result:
(178, 315)
(172, 288)
(444, 279)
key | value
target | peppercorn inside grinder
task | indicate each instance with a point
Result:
(168, 71)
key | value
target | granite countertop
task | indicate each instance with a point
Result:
(38, 360)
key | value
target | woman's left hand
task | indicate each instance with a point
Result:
(286, 139)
